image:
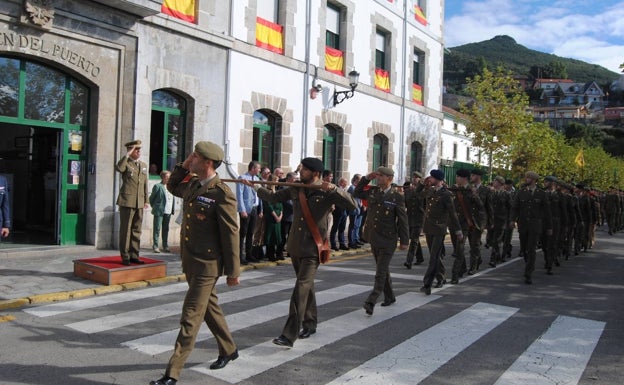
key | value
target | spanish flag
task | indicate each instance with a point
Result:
(269, 35)
(417, 95)
(420, 15)
(382, 80)
(333, 60)
(182, 9)
(580, 160)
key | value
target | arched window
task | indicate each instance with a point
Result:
(416, 155)
(266, 138)
(380, 151)
(332, 149)
(167, 131)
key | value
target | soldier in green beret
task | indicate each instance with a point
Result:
(210, 248)
(132, 199)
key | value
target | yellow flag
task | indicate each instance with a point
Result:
(579, 160)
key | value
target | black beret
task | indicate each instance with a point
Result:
(550, 178)
(508, 181)
(477, 171)
(463, 173)
(437, 174)
(313, 164)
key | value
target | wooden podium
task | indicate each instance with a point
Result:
(110, 270)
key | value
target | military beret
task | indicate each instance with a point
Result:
(500, 179)
(508, 181)
(134, 143)
(532, 175)
(313, 164)
(387, 171)
(580, 186)
(417, 174)
(209, 150)
(550, 178)
(477, 171)
(437, 174)
(463, 173)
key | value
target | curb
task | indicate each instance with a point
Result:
(81, 293)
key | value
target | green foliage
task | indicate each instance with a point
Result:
(582, 135)
(504, 51)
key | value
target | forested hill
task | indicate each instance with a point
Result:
(466, 60)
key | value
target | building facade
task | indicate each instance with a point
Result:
(79, 79)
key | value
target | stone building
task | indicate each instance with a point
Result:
(266, 79)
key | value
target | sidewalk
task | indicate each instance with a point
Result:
(46, 273)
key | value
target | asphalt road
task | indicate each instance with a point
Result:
(490, 329)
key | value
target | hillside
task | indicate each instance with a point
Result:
(464, 61)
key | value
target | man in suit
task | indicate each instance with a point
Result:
(302, 248)
(132, 200)
(415, 204)
(248, 202)
(531, 211)
(210, 248)
(162, 203)
(5, 211)
(385, 224)
(440, 214)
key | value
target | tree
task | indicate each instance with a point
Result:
(497, 113)
(584, 135)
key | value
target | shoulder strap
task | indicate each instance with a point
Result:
(462, 203)
(309, 220)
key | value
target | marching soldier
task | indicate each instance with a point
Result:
(415, 204)
(501, 206)
(551, 243)
(508, 232)
(612, 207)
(531, 212)
(485, 220)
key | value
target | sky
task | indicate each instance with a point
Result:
(591, 31)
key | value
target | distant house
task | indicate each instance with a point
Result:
(567, 93)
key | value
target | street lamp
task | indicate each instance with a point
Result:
(341, 96)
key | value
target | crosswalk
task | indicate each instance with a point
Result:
(558, 356)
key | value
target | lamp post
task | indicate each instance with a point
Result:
(341, 96)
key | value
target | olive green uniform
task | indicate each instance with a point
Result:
(131, 201)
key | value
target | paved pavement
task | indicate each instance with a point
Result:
(46, 273)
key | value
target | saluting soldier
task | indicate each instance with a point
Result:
(132, 199)
(301, 245)
(415, 204)
(210, 248)
(469, 207)
(440, 214)
(386, 223)
(530, 210)
(501, 207)
(485, 220)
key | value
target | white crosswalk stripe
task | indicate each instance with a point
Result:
(418, 278)
(260, 358)
(115, 321)
(162, 342)
(415, 359)
(559, 356)
(125, 296)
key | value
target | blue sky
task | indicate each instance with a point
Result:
(592, 31)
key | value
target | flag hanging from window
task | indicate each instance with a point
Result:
(580, 160)
(417, 94)
(182, 9)
(334, 60)
(269, 35)
(420, 15)
(382, 80)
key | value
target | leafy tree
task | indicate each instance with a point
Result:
(584, 135)
(534, 148)
(497, 113)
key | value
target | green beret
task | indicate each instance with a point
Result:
(209, 150)
(134, 143)
(387, 171)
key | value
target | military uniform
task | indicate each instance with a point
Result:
(303, 250)
(501, 207)
(415, 205)
(485, 222)
(131, 200)
(468, 206)
(531, 212)
(551, 243)
(386, 223)
(612, 209)
(210, 248)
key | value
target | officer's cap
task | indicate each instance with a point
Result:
(313, 164)
(209, 150)
(387, 171)
(463, 173)
(437, 174)
(134, 143)
(532, 175)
